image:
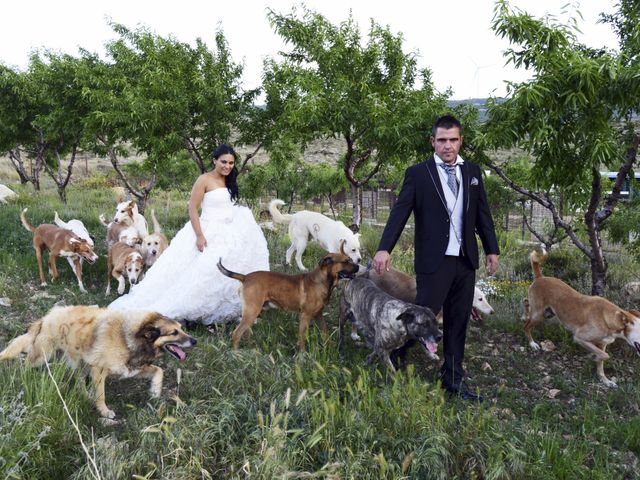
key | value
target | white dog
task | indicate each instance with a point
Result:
(327, 232)
(76, 226)
(6, 194)
(126, 216)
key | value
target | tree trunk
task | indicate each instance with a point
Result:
(356, 212)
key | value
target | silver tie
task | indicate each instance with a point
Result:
(452, 181)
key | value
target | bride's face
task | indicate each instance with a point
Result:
(224, 164)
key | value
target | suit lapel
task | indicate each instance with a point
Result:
(434, 176)
(465, 181)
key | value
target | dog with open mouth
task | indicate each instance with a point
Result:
(594, 321)
(110, 342)
(386, 322)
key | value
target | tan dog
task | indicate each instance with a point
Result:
(60, 242)
(123, 262)
(110, 342)
(154, 244)
(594, 321)
(126, 216)
(303, 293)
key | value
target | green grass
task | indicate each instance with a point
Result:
(267, 411)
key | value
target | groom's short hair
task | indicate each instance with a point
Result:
(446, 122)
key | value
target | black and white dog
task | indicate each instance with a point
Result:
(385, 322)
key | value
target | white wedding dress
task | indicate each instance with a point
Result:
(185, 284)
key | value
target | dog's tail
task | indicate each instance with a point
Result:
(59, 222)
(536, 260)
(278, 216)
(103, 220)
(156, 225)
(25, 222)
(229, 273)
(23, 343)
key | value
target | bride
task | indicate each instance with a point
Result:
(184, 283)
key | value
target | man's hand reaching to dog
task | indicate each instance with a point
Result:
(381, 262)
(492, 263)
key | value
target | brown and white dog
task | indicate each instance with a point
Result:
(306, 294)
(123, 261)
(594, 321)
(126, 216)
(110, 342)
(60, 242)
(154, 244)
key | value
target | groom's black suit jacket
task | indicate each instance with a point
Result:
(422, 193)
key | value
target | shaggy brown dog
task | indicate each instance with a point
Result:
(108, 341)
(59, 242)
(304, 293)
(594, 321)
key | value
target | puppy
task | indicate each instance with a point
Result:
(327, 232)
(306, 294)
(594, 321)
(126, 215)
(110, 342)
(123, 261)
(387, 323)
(402, 286)
(60, 242)
(154, 244)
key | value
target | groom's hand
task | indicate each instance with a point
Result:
(381, 262)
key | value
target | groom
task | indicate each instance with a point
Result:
(447, 197)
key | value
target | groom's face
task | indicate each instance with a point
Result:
(447, 143)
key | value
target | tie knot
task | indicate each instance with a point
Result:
(448, 168)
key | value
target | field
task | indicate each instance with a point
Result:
(267, 411)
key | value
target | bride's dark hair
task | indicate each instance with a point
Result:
(231, 180)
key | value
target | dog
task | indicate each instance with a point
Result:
(154, 244)
(328, 233)
(386, 322)
(306, 293)
(60, 242)
(6, 194)
(126, 216)
(76, 226)
(123, 261)
(402, 286)
(594, 321)
(110, 342)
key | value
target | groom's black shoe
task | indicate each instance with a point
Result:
(463, 392)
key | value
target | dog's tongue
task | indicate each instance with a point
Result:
(429, 345)
(177, 351)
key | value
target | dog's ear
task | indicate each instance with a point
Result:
(343, 242)
(149, 332)
(327, 260)
(635, 313)
(619, 321)
(407, 316)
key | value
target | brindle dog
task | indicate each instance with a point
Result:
(306, 294)
(386, 322)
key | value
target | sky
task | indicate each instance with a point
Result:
(452, 38)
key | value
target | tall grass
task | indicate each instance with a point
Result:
(267, 411)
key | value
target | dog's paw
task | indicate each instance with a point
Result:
(534, 346)
(355, 337)
(108, 413)
(43, 284)
(609, 383)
